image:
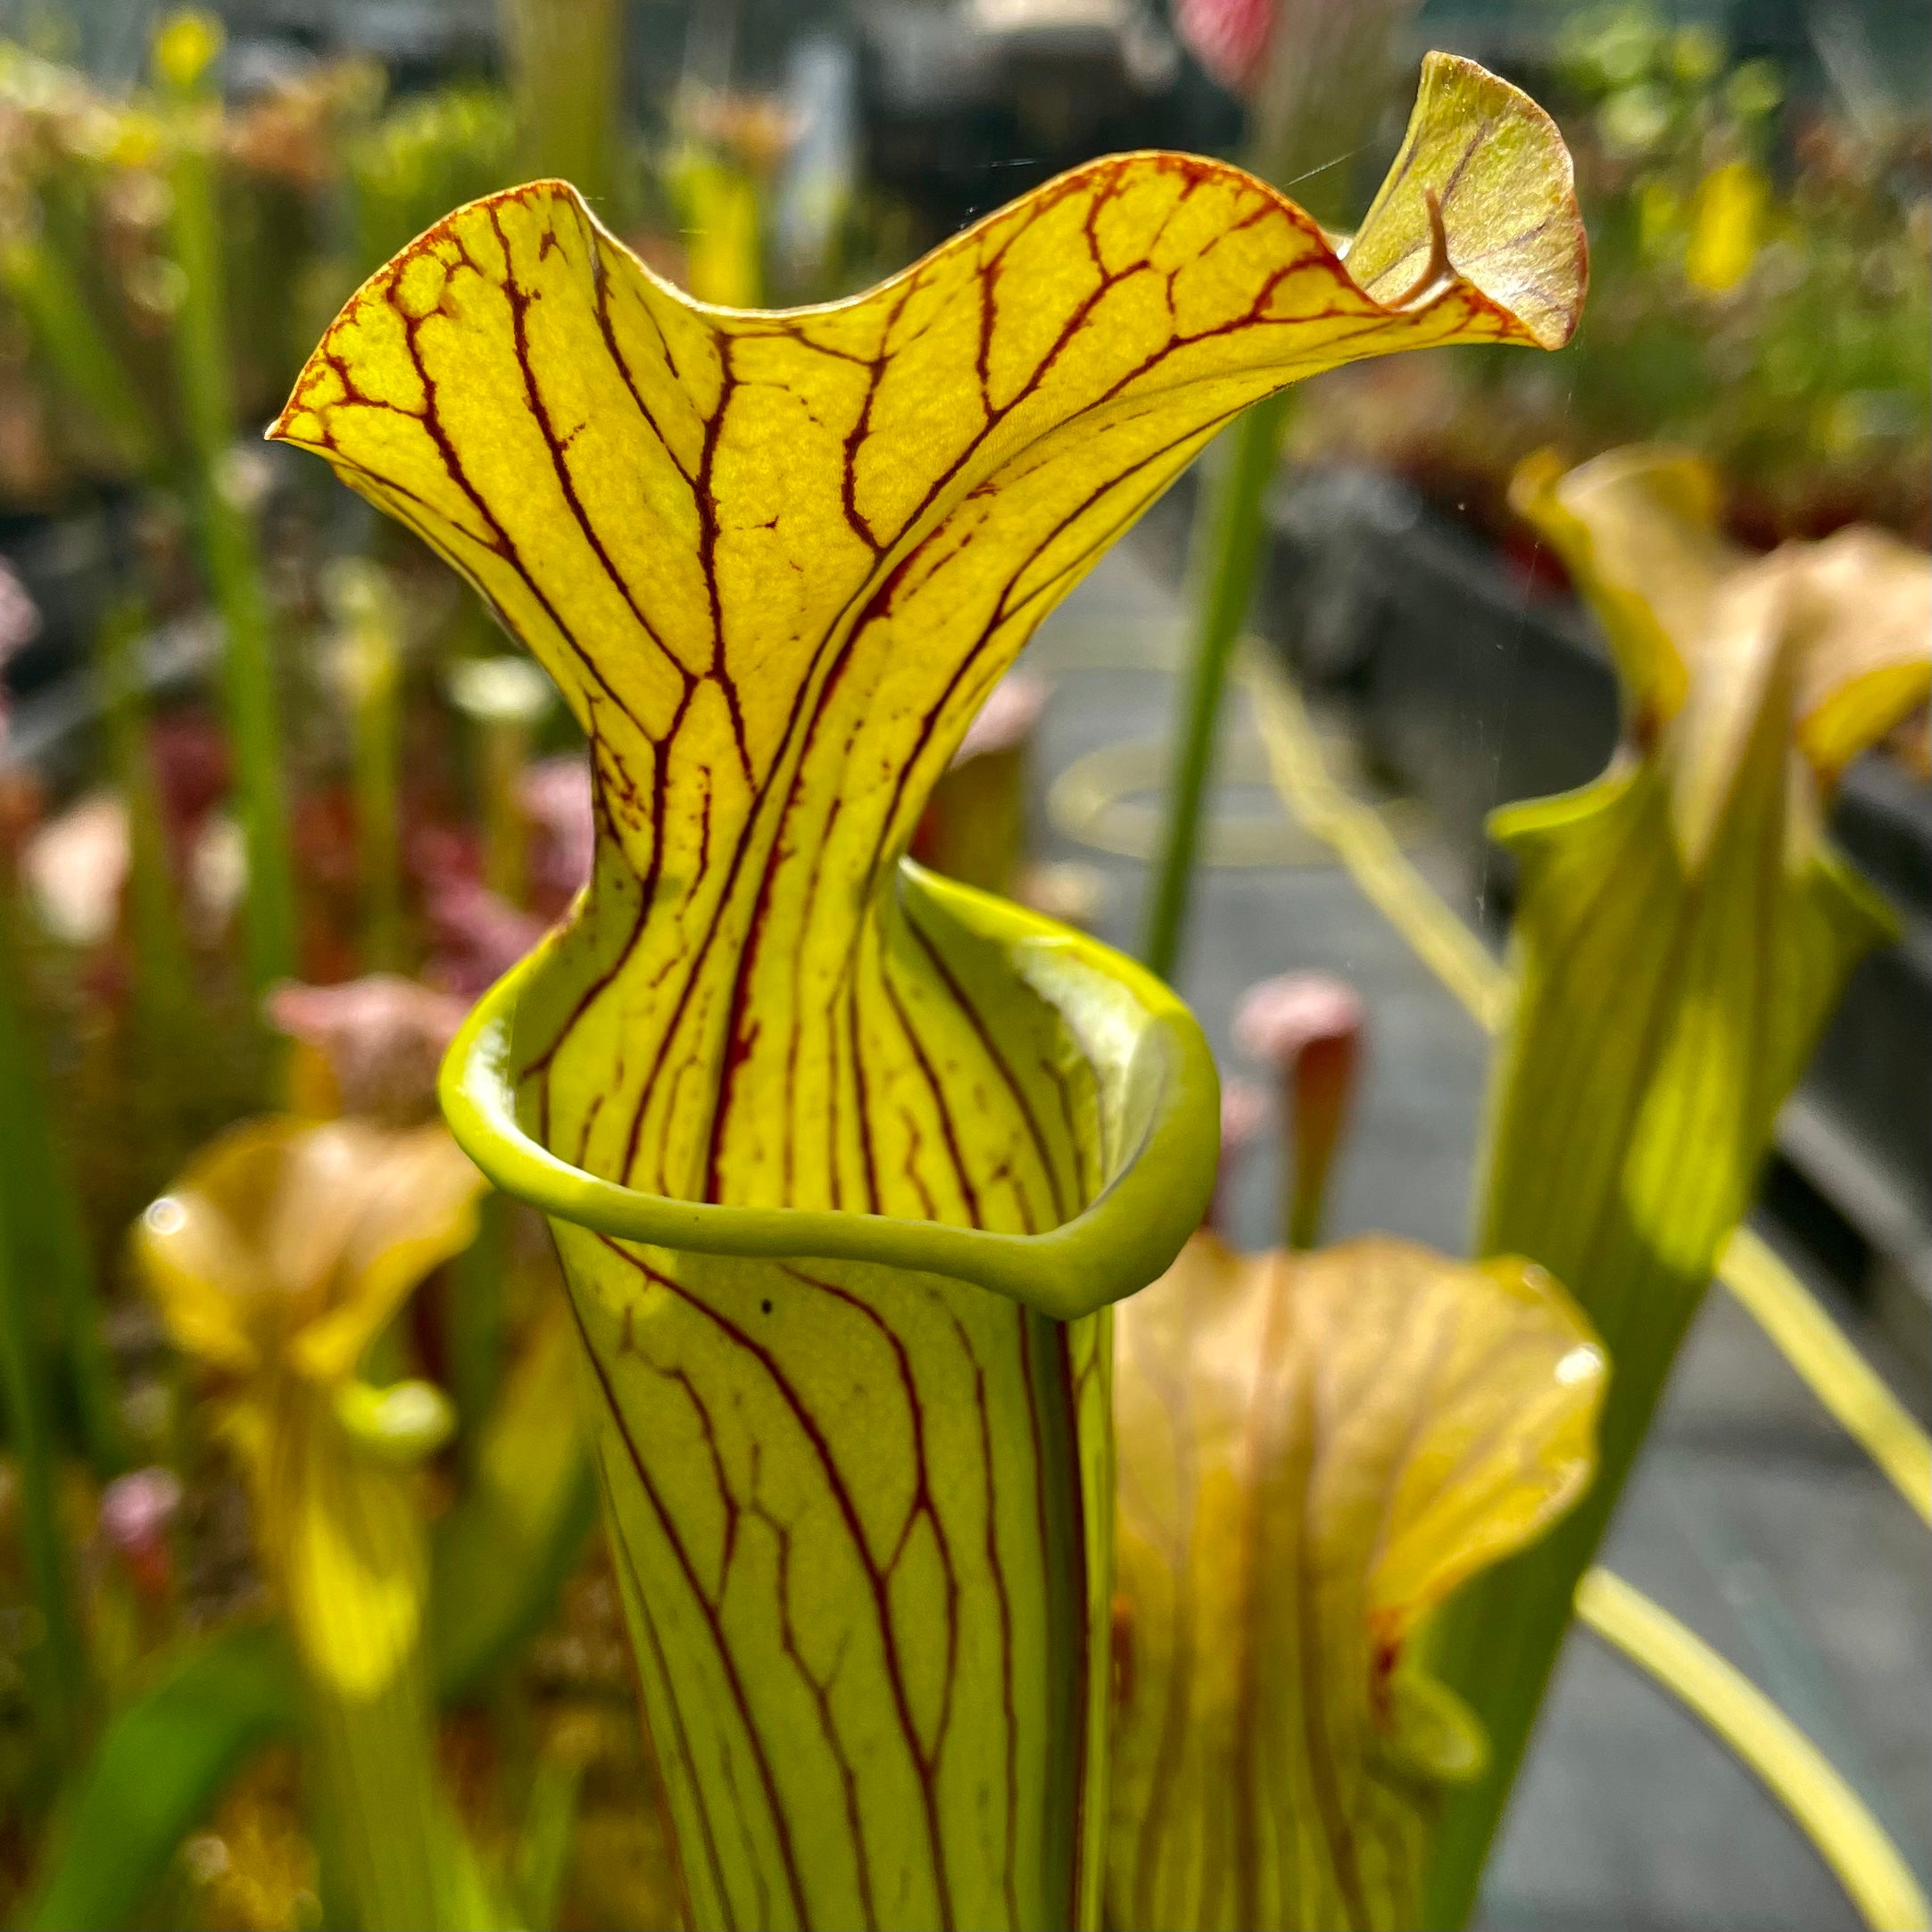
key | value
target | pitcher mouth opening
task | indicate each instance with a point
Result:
(1160, 1098)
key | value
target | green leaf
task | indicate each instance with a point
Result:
(1314, 1449)
(845, 1163)
(1683, 932)
(500, 1556)
(160, 1765)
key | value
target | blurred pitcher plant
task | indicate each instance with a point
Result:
(1315, 1450)
(1683, 932)
(846, 1163)
(278, 1258)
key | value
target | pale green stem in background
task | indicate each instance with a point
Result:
(543, 1846)
(55, 1665)
(506, 750)
(397, 1847)
(381, 1815)
(229, 550)
(371, 669)
(376, 821)
(474, 1308)
(44, 1233)
(159, 957)
(1316, 102)
(567, 62)
(505, 697)
(65, 330)
(1303, 1216)
(1227, 549)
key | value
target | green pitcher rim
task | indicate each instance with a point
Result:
(1169, 1101)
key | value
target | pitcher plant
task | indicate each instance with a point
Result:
(1314, 1451)
(278, 1258)
(1684, 929)
(846, 1163)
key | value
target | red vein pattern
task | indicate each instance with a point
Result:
(775, 562)
(1314, 1451)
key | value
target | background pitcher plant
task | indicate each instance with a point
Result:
(1314, 1451)
(844, 1162)
(1684, 932)
(279, 1257)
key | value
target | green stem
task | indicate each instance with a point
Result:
(1303, 1219)
(475, 1311)
(45, 1236)
(505, 751)
(162, 971)
(49, 296)
(230, 554)
(544, 1848)
(373, 677)
(381, 1815)
(566, 59)
(1227, 549)
(256, 734)
(56, 1666)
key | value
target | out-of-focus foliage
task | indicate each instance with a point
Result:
(412, 165)
(85, 254)
(316, 179)
(1763, 277)
(1761, 273)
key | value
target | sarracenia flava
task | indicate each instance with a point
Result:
(844, 1161)
(1315, 1450)
(1683, 931)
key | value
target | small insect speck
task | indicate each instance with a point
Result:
(766, 1305)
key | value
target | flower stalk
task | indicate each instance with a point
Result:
(1312, 74)
(1227, 550)
(369, 664)
(159, 959)
(185, 52)
(505, 698)
(566, 65)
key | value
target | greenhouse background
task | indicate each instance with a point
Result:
(280, 802)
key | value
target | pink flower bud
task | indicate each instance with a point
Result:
(137, 1511)
(1244, 1113)
(382, 1037)
(1308, 1027)
(1228, 38)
